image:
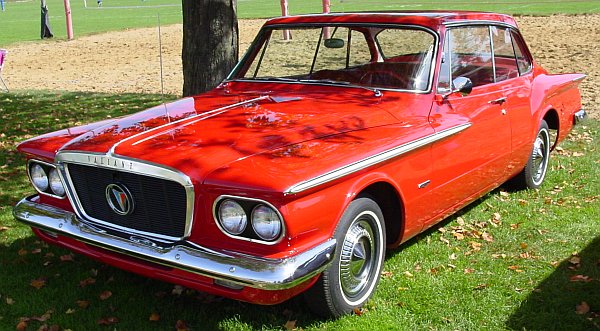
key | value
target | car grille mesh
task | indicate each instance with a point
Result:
(160, 204)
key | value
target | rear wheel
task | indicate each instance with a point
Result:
(534, 173)
(354, 273)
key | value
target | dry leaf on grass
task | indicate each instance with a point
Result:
(105, 295)
(108, 321)
(154, 317)
(38, 283)
(290, 325)
(582, 308)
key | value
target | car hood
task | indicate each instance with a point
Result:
(199, 134)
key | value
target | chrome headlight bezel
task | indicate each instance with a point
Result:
(47, 168)
(237, 211)
(249, 205)
(266, 220)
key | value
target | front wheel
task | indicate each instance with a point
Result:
(355, 271)
(534, 173)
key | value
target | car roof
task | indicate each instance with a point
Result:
(432, 19)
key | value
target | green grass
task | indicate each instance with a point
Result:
(21, 20)
(517, 279)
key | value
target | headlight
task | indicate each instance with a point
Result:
(232, 217)
(55, 184)
(39, 178)
(266, 222)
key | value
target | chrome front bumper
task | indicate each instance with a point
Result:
(579, 116)
(236, 268)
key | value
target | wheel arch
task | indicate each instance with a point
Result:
(390, 201)
(552, 119)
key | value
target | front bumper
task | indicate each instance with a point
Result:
(236, 268)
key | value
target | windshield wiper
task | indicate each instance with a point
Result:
(375, 90)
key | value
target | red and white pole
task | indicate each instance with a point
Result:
(284, 12)
(327, 10)
(69, 20)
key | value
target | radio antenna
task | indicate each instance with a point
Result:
(162, 84)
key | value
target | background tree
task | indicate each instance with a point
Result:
(210, 43)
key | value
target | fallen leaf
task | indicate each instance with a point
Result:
(487, 237)
(475, 245)
(66, 258)
(499, 256)
(38, 283)
(4, 228)
(154, 317)
(575, 260)
(108, 321)
(504, 194)
(22, 326)
(105, 295)
(582, 308)
(515, 268)
(452, 256)
(82, 303)
(445, 241)
(580, 278)
(290, 325)
(469, 270)
(523, 245)
(87, 281)
(36, 251)
(480, 287)
(181, 326)
(70, 311)
(47, 315)
(22, 252)
(408, 274)
(359, 311)
(460, 221)
(387, 274)
(9, 301)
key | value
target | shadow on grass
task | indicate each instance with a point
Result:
(69, 280)
(553, 304)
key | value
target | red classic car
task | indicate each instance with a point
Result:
(321, 149)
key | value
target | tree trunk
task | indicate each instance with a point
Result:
(210, 43)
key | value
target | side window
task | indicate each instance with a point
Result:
(523, 62)
(471, 54)
(504, 54)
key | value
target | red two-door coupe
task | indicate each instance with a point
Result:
(313, 156)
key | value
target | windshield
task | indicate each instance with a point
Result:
(369, 56)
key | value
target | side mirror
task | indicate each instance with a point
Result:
(462, 85)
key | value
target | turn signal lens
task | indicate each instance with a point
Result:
(232, 217)
(266, 222)
(55, 183)
(39, 178)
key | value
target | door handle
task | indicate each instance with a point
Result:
(498, 101)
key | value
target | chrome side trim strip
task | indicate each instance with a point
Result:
(241, 269)
(373, 160)
(63, 159)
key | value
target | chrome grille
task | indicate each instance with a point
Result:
(161, 205)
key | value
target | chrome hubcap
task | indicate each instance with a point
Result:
(357, 260)
(539, 156)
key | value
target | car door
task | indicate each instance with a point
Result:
(475, 158)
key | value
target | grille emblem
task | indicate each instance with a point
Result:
(119, 199)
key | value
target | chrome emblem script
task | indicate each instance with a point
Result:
(119, 199)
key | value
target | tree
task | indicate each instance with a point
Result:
(210, 43)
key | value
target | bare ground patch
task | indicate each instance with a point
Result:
(128, 61)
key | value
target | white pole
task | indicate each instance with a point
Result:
(285, 12)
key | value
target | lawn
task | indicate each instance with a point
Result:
(512, 260)
(21, 20)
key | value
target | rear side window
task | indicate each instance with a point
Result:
(523, 61)
(504, 54)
